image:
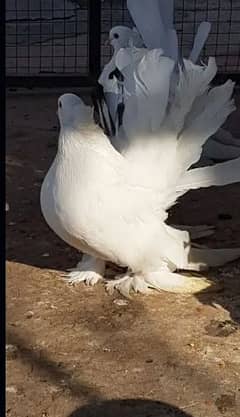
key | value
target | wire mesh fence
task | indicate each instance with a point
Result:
(53, 37)
(46, 37)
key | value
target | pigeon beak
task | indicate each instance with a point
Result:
(107, 42)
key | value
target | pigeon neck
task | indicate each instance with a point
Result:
(72, 141)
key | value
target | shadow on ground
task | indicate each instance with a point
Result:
(129, 408)
(40, 361)
(96, 406)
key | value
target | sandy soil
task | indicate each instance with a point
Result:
(78, 352)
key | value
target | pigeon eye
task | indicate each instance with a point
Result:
(60, 104)
(116, 35)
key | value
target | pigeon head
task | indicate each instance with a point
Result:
(121, 36)
(72, 112)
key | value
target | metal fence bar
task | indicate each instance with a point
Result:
(94, 37)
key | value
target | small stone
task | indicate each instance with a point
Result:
(220, 362)
(45, 255)
(7, 208)
(137, 370)
(11, 390)
(11, 224)
(41, 303)
(121, 302)
(15, 323)
(29, 314)
(106, 349)
(11, 351)
(54, 390)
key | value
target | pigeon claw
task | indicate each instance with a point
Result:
(90, 278)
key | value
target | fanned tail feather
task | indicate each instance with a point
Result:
(148, 81)
(204, 258)
(176, 283)
(193, 82)
(217, 175)
(218, 107)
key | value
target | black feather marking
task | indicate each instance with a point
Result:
(120, 111)
(98, 99)
(116, 73)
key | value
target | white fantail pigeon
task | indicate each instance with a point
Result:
(113, 206)
(119, 37)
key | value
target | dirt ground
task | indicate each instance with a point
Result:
(78, 352)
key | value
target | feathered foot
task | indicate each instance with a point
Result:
(202, 258)
(197, 232)
(176, 283)
(89, 270)
(127, 283)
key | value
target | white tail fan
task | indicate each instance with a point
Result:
(165, 140)
(218, 107)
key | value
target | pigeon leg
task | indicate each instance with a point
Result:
(89, 270)
(125, 283)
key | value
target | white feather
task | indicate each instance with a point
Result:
(200, 40)
(219, 174)
(148, 19)
(217, 109)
